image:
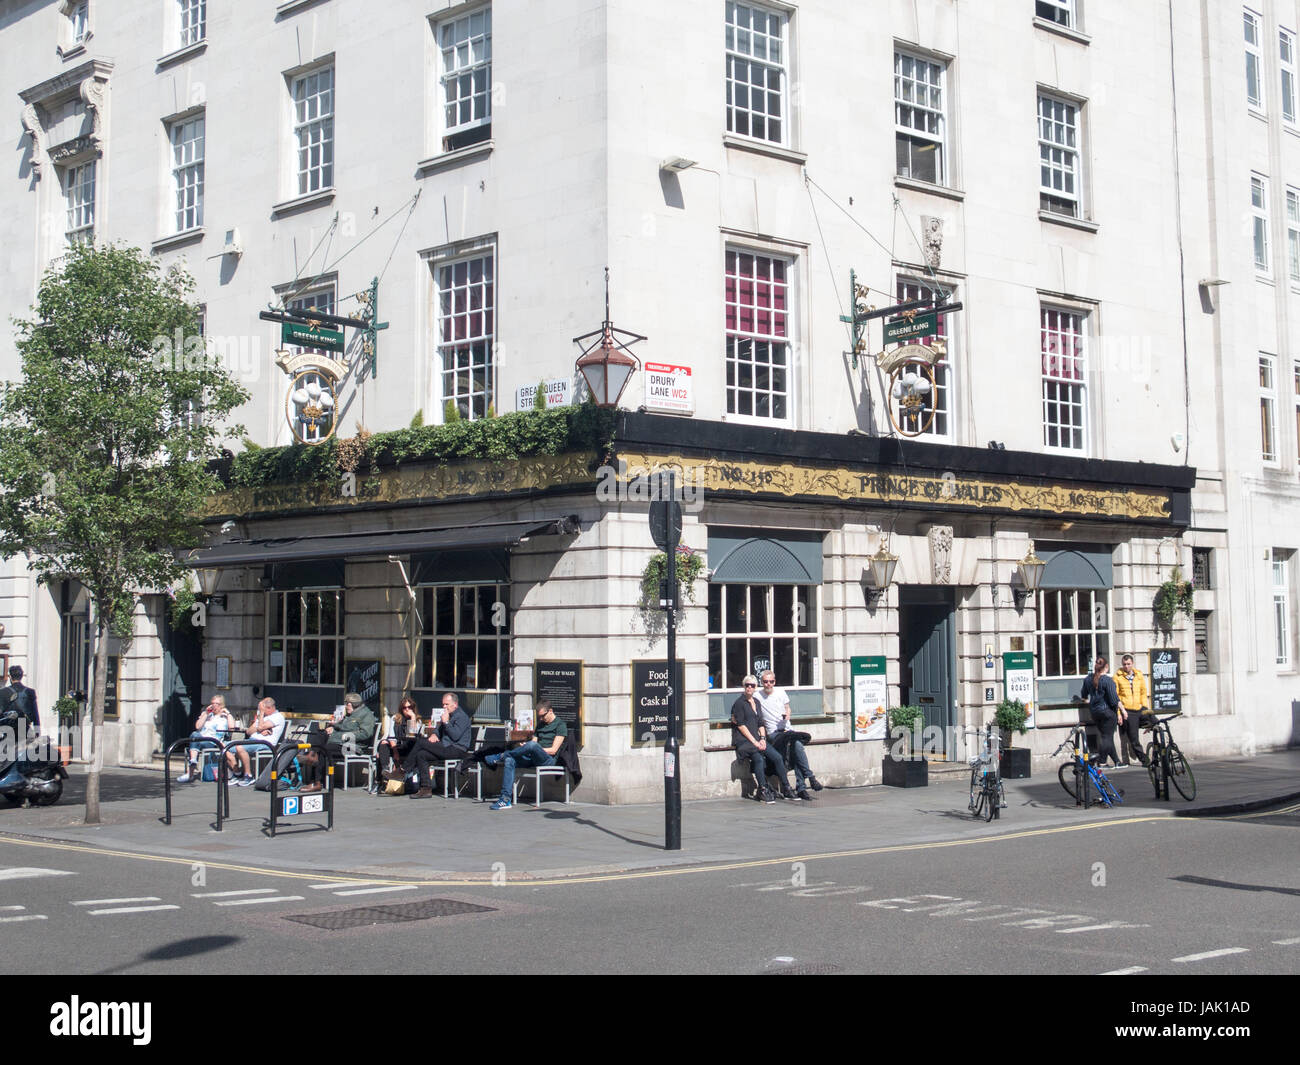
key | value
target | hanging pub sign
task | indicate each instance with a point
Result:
(911, 385)
(311, 402)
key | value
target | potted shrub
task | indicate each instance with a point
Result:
(1174, 597)
(1010, 716)
(66, 710)
(902, 766)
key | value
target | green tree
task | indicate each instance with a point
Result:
(106, 441)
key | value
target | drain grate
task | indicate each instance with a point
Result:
(393, 914)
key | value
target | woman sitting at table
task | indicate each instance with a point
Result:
(399, 738)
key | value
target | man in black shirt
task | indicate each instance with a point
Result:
(750, 738)
(20, 698)
(455, 735)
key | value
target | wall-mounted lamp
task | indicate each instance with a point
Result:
(208, 578)
(878, 574)
(1029, 570)
(676, 164)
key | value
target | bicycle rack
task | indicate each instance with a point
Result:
(204, 744)
(302, 803)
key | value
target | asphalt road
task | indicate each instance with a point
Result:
(1130, 896)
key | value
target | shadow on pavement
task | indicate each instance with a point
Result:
(578, 819)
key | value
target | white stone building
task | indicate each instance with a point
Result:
(1078, 176)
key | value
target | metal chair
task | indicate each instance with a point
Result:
(489, 735)
(538, 772)
(453, 765)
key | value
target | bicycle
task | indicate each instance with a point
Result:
(1165, 762)
(1081, 775)
(987, 797)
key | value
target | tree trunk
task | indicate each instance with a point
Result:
(97, 692)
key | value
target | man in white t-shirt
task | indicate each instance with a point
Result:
(267, 726)
(775, 707)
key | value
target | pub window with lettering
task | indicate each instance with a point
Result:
(304, 641)
(1074, 627)
(753, 627)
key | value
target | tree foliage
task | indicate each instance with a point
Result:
(104, 464)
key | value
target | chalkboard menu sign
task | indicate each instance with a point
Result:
(561, 683)
(365, 676)
(650, 702)
(1165, 695)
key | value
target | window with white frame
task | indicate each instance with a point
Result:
(191, 21)
(919, 127)
(1286, 50)
(79, 202)
(1282, 607)
(465, 45)
(1254, 60)
(1293, 232)
(465, 637)
(1268, 408)
(1259, 224)
(77, 16)
(753, 624)
(304, 641)
(1059, 173)
(1059, 11)
(1065, 389)
(757, 72)
(466, 290)
(187, 143)
(313, 129)
(1073, 629)
(757, 296)
(940, 400)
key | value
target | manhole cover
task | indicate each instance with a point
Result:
(394, 914)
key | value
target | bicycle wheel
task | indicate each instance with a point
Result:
(1180, 773)
(979, 799)
(974, 788)
(988, 800)
(1108, 792)
(1153, 767)
(1066, 775)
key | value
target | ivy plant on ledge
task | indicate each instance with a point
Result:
(1172, 598)
(511, 436)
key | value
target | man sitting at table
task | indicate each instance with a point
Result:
(539, 751)
(357, 727)
(455, 734)
(267, 726)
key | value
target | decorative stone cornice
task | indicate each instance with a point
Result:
(87, 82)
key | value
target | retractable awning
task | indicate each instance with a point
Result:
(370, 544)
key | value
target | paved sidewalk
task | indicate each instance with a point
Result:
(382, 837)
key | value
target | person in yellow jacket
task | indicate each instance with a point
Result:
(1134, 697)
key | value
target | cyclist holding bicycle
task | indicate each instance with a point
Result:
(1133, 697)
(1103, 700)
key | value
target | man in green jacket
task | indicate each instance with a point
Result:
(358, 723)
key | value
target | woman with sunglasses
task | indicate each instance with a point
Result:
(400, 737)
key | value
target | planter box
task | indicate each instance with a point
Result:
(905, 772)
(1013, 763)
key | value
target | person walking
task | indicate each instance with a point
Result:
(20, 698)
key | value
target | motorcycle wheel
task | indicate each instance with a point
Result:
(13, 800)
(50, 798)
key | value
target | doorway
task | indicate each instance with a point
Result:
(927, 657)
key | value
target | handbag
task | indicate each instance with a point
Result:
(395, 786)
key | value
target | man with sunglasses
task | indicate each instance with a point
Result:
(749, 736)
(774, 705)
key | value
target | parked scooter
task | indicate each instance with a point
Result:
(38, 779)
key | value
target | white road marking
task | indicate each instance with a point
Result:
(24, 917)
(107, 902)
(254, 902)
(133, 909)
(1286, 942)
(1100, 927)
(377, 890)
(341, 883)
(26, 872)
(13, 907)
(1126, 972)
(230, 894)
(1212, 954)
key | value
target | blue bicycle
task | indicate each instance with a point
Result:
(1081, 776)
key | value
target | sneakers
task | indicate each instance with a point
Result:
(189, 777)
(768, 796)
(501, 804)
(786, 793)
(245, 782)
(815, 783)
(802, 793)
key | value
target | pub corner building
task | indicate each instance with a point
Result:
(516, 580)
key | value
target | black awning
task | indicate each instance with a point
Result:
(369, 544)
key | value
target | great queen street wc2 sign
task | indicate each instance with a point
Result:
(668, 388)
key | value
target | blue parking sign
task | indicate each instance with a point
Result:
(290, 805)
